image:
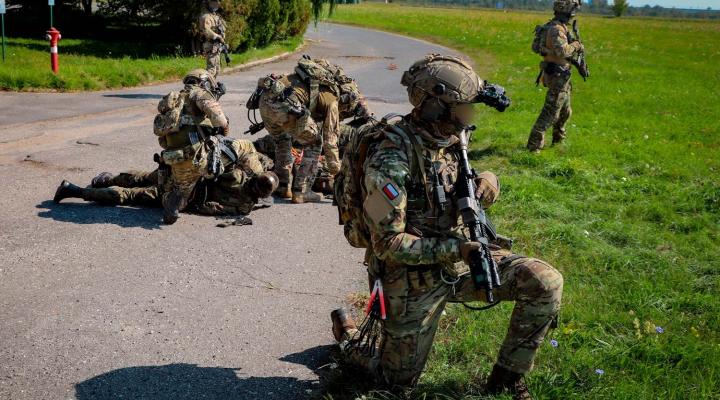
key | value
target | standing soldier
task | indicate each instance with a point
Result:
(307, 107)
(416, 245)
(187, 144)
(212, 29)
(558, 48)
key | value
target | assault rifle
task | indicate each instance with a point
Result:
(223, 46)
(579, 62)
(483, 269)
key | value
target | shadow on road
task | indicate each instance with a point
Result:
(91, 213)
(135, 96)
(190, 382)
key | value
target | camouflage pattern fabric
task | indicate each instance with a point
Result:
(211, 24)
(414, 241)
(204, 110)
(555, 112)
(556, 77)
(229, 195)
(129, 188)
(282, 122)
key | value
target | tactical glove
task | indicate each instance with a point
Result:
(467, 249)
(487, 188)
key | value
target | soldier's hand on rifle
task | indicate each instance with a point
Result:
(467, 249)
(487, 188)
(220, 39)
(578, 46)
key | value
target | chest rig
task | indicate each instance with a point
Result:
(431, 209)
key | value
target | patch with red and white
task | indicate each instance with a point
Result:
(390, 191)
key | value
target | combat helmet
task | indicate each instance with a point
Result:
(205, 80)
(439, 83)
(567, 7)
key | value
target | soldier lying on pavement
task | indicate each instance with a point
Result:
(243, 184)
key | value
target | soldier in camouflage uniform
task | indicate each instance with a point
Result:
(557, 50)
(212, 30)
(294, 111)
(186, 151)
(324, 179)
(236, 191)
(419, 249)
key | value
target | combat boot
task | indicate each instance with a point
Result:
(306, 197)
(342, 323)
(102, 180)
(283, 192)
(503, 380)
(173, 202)
(68, 190)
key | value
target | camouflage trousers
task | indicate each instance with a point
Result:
(284, 159)
(212, 58)
(137, 188)
(555, 112)
(416, 302)
(184, 175)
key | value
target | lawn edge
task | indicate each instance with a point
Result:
(228, 71)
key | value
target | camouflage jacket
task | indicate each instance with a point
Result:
(231, 190)
(211, 26)
(278, 109)
(557, 44)
(407, 224)
(201, 108)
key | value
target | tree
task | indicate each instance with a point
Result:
(619, 7)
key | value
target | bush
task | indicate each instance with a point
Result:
(619, 7)
(251, 23)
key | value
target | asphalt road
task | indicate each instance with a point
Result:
(105, 302)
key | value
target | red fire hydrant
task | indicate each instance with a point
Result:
(53, 35)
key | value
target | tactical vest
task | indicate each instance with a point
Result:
(550, 57)
(431, 172)
(192, 121)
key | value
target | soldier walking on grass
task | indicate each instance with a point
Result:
(559, 49)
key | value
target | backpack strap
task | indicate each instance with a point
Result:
(418, 161)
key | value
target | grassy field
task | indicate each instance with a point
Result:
(94, 65)
(628, 209)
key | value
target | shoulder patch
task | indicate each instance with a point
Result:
(390, 191)
(380, 204)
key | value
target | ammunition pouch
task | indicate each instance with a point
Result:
(172, 157)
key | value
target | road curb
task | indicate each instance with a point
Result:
(278, 57)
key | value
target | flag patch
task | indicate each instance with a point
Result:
(390, 191)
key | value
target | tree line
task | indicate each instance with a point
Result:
(251, 23)
(619, 7)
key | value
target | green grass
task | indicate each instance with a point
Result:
(94, 65)
(628, 209)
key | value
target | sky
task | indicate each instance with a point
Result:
(702, 4)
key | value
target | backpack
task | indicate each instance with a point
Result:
(319, 72)
(169, 117)
(540, 39)
(349, 190)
